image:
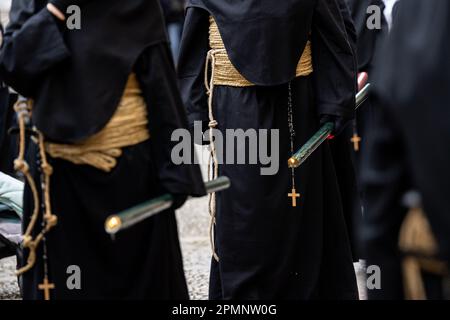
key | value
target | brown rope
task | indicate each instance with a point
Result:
(223, 73)
(23, 110)
(226, 74)
(418, 244)
(127, 127)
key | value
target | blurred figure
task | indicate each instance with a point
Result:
(369, 43)
(409, 150)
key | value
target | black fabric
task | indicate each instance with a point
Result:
(369, 40)
(8, 141)
(257, 33)
(144, 261)
(267, 248)
(341, 148)
(77, 89)
(265, 40)
(407, 150)
(173, 10)
(369, 45)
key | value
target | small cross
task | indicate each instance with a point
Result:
(356, 140)
(46, 286)
(294, 195)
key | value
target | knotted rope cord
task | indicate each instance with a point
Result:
(213, 163)
(23, 110)
(220, 71)
(127, 127)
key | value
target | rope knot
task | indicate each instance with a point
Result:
(213, 124)
(22, 106)
(48, 169)
(51, 220)
(27, 241)
(21, 165)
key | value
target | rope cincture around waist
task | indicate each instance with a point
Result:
(220, 71)
(224, 73)
(127, 127)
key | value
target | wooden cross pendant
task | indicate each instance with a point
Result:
(356, 140)
(46, 286)
(294, 195)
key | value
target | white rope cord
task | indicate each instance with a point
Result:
(213, 162)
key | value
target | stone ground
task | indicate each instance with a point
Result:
(193, 223)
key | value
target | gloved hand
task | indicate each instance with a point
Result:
(339, 122)
(62, 5)
(178, 200)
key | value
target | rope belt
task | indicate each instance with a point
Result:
(225, 73)
(127, 127)
(220, 71)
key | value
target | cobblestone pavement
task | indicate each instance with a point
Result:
(8, 281)
(193, 223)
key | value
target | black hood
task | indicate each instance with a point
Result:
(86, 88)
(256, 32)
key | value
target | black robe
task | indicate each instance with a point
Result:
(342, 149)
(144, 261)
(411, 135)
(369, 45)
(267, 248)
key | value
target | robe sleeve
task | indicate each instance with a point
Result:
(334, 63)
(32, 44)
(157, 77)
(385, 180)
(191, 64)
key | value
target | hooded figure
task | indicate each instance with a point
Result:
(270, 65)
(409, 147)
(105, 105)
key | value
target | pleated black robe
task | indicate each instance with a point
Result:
(145, 261)
(267, 248)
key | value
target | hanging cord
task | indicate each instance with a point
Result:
(213, 163)
(220, 71)
(23, 110)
